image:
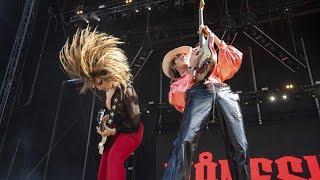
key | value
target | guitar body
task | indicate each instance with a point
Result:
(209, 58)
(103, 121)
(208, 55)
(107, 120)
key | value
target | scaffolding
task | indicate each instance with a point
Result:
(20, 48)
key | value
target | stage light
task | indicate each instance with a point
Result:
(79, 10)
(84, 18)
(136, 10)
(94, 16)
(284, 96)
(289, 86)
(102, 6)
(272, 98)
(149, 8)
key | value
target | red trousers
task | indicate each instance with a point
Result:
(113, 158)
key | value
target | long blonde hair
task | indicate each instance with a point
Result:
(92, 54)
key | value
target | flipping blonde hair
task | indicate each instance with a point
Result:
(92, 54)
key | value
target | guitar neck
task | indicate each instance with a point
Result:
(201, 37)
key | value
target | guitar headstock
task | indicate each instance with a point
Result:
(201, 4)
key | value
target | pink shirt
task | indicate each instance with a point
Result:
(229, 62)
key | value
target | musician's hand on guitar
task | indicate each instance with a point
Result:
(204, 30)
(105, 118)
(107, 131)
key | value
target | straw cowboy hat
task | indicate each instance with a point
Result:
(169, 57)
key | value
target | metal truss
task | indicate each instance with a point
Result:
(14, 69)
(139, 60)
(263, 96)
(273, 48)
(105, 12)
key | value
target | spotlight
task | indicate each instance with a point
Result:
(284, 96)
(136, 10)
(94, 16)
(149, 8)
(84, 18)
(272, 98)
(289, 86)
(102, 6)
(79, 10)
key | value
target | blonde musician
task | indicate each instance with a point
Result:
(96, 58)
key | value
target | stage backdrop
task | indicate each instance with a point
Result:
(287, 151)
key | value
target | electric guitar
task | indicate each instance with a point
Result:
(103, 121)
(107, 120)
(209, 58)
